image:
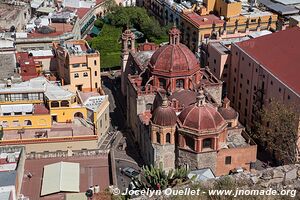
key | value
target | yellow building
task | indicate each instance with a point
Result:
(219, 19)
(78, 65)
(40, 104)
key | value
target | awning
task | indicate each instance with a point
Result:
(16, 108)
(94, 31)
(60, 177)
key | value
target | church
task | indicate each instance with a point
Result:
(176, 112)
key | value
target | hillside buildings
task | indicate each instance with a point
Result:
(37, 112)
(213, 19)
(78, 65)
(175, 109)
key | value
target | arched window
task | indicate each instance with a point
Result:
(162, 83)
(64, 103)
(76, 75)
(54, 104)
(207, 143)
(27, 123)
(168, 138)
(190, 143)
(158, 137)
(85, 74)
(148, 106)
(180, 83)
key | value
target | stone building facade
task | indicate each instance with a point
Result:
(176, 112)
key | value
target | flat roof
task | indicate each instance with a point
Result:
(94, 170)
(39, 84)
(203, 20)
(60, 177)
(279, 54)
(279, 8)
(8, 178)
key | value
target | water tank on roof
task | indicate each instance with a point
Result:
(96, 189)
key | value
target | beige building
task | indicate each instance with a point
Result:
(78, 65)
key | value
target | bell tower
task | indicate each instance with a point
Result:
(128, 44)
(162, 131)
(174, 35)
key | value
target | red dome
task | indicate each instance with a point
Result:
(164, 115)
(174, 58)
(201, 118)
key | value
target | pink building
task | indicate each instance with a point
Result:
(264, 68)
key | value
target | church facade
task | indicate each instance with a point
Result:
(176, 112)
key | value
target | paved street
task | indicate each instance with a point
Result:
(125, 152)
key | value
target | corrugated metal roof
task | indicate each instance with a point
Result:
(288, 2)
(60, 177)
(279, 8)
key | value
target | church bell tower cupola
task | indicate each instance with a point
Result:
(174, 35)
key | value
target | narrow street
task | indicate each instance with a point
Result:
(119, 139)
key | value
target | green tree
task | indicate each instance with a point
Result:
(277, 130)
(138, 18)
(110, 5)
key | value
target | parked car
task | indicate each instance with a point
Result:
(130, 172)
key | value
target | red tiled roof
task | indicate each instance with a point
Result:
(81, 12)
(40, 109)
(203, 20)
(174, 58)
(201, 118)
(279, 53)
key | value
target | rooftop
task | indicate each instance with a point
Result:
(94, 170)
(203, 20)
(8, 178)
(39, 84)
(279, 54)
(7, 66)
(9, 12)
(57, 130)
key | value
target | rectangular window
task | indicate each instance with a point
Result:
(225, 66)
(227, 160)
(25, 96)
(76, 65)
(16, 123)
(18, 113)
(5, 124)
(96, 73)
(84, 65)
(95, 62)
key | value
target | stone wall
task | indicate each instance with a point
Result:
(197, 161)
(164, 154)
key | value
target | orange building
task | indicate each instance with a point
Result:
(78, 65)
